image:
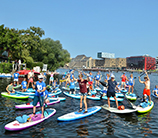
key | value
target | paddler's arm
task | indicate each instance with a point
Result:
(8, 90)
(140, 80)
(117, 88)
(44, 88)
(147, 75)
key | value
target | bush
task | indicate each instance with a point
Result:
(34, 64)
(5, 67)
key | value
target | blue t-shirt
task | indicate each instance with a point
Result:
(45, 74)
(16, 75)
(97, 77)
(71, 76)
(91, 77)
(107, 78)
(72, 85)
(45, 93)
(24, 83)
(111, 86)
(39, 86)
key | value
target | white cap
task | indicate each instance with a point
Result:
(40, 77)
(112, 76)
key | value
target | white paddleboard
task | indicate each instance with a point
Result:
(115, 110)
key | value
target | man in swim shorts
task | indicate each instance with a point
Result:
(147, 85)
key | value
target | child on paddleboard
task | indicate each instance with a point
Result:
(24, 85)
(131, 83)
(72, 86)
(10, 88)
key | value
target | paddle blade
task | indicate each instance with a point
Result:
(103, 83)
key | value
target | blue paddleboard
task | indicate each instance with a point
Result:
(78, 115)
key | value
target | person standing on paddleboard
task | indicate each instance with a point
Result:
(112, 84)
(30, 78)
(97, 79)
(123, 81)
(16, 78)
(131, 83)
(83, 89)
(147, 86)
(40, 87)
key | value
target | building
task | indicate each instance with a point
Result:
(105, 55)
(156, 63)
(81, 61)
(141, 62)
(108, 60)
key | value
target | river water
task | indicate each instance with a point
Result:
(101, 124)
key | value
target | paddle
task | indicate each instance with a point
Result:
(140, 75)
(103, 83)
(144, 72)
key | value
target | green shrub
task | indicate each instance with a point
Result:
(5, 67)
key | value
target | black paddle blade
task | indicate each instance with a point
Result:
(103, 83)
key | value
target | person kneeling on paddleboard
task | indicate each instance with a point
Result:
(155, 91)
(144, 101)
(40, 88)
(112, 84)
(10, 88)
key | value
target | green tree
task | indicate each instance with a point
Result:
(53, 54)
(9, 40)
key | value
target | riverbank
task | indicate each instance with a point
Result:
(116, 70)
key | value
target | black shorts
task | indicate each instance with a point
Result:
(109, 94)
(87, 90)
(72, 90)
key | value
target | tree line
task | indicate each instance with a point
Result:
(29, 46)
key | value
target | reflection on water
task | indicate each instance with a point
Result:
(109, 124)
(144, 120)
(82, 130)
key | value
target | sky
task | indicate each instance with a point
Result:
(123, 27)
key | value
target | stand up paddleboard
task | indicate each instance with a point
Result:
(25, 93)
(78, 115)
(76, 96)
(154, 95)
(16, 126)
(112, 98)
(93, 97)
(30, 105)
(15, 96)
(146, 109)
(123, 90)
(131, 96)
(115, 110)
(18, 86)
